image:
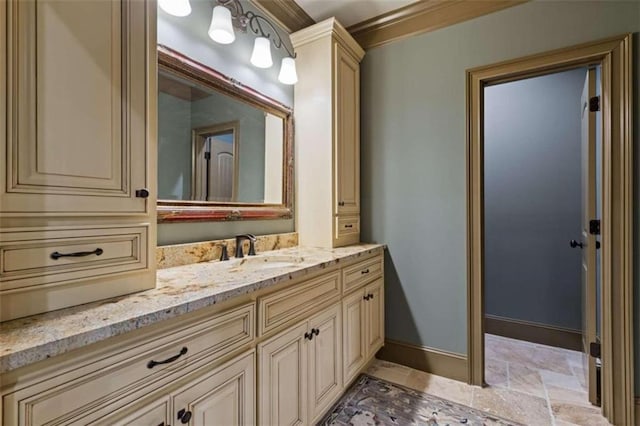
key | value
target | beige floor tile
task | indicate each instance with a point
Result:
(527, 354)
(578, 414)
(440, 386)
(384, 370)
(516, 406)
(580, 374)
(495, 373)
(526, 379)
(562, 395)
(551, 378)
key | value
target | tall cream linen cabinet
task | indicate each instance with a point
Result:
(327, 141)
(77, 185)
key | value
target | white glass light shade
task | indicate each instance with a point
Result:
(288, 74)
(175, 7)
(261, 56)
(221, 28)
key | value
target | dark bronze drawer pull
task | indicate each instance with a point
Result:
(57, 255)
(341, 203)
(366, 271)
(153, 363)
(315, 331)
(309, 335)
(349, 225)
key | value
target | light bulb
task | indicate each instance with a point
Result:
(288, 74)
(175, 7)
(221, 28)
(261, 56)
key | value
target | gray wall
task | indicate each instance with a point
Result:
(413, 151)
(532, 199)
(189, 36)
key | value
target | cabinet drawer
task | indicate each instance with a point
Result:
(81, 395)
(36, 257)
(347, 226)
(294, 303)
(361, 273)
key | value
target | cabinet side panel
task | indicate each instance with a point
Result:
(313, 143)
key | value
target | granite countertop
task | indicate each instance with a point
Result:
(179, 290)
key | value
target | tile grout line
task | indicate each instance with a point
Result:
(548, 400)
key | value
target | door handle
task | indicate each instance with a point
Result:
(574, 244)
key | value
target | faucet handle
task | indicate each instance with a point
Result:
(224, 254)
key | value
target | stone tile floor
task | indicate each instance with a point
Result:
(528, 383)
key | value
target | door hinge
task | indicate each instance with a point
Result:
(594, 227)
(594, 104)
(207, 155)
(594, 349)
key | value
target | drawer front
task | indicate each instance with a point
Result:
(38, 257)
(347, 226)
(293, 304)
(361, 273)
(80, 396)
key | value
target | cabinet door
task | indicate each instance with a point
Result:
(225, 396)
(375, 316)
(155, 414)
(353, 323)
(77, 107)
(347, 137)
(283, 378)
(325, 360)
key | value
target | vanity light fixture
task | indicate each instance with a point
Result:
(261, 56)
(221, 28)
(230, 13)
(175, 7)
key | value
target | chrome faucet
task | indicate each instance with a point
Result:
(252, 248)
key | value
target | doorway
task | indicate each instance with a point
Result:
(537, 309)
(614, 56)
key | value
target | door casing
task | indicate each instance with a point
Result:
(614, 55)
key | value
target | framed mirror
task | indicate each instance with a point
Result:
(225, 151)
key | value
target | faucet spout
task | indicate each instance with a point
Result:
(252, 249)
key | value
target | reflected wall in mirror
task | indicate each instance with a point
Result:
(224, 150)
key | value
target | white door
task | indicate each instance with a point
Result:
(588, 243)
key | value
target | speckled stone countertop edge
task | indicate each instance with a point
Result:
(49, 341)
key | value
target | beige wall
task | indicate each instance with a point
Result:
(413, 151)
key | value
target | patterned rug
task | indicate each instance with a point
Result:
(371, 401)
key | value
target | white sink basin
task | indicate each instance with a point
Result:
(258, 263)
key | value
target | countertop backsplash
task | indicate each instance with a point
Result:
(205, 251)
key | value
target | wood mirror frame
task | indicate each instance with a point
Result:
(189, 211)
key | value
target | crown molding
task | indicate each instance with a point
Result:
(328, 27)
(421, 17)
(288, 14)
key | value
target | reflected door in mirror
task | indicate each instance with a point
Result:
(215, 148)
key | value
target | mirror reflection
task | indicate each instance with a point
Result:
(215, 148)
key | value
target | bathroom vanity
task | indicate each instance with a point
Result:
(269, 339)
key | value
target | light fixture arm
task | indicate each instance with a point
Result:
(254, 22)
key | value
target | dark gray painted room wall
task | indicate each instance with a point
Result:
(532, 199)
(189, 36)
(413, 152)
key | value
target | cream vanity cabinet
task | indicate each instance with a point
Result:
(363, 325)
(300, 370)
(79, 115)
(271, 357)
(184, 370)
(327, 114)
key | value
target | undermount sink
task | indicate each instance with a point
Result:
(266, 262)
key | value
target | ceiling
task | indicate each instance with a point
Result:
(350, 12)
